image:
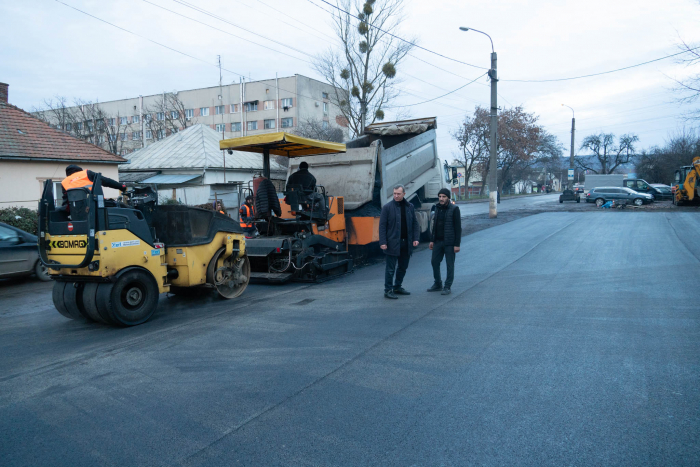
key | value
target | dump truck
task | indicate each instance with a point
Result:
(685, 185)
(111, 259)
(388, 154)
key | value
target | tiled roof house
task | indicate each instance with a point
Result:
(32, 152)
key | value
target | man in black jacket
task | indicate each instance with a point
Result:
(303, 177)
(399, 233)
(445, 238)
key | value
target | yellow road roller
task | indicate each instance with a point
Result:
(111, 259)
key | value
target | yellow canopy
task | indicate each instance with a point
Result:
(281, 144)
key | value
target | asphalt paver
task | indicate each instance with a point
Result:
(570, 338)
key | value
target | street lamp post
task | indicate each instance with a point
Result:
(570, 183)
(493, 130)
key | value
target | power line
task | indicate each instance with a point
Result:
(221, 30)
(438, 97)
(598, 74)
(402, 39)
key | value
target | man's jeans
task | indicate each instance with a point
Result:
(391, 263)
(440, 250)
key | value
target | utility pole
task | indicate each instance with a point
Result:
(570, 184)
(493, 130)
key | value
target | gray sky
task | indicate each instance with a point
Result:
(50, 49)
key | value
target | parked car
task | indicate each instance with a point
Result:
(665, 191)
(599, 195)
(19, 255)
(641, 186)
(578, 188)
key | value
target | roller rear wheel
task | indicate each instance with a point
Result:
(90, 303)
(230, 278)
(73, 299)
(58, 300)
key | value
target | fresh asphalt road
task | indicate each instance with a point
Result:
(508, 204)
(570, 338)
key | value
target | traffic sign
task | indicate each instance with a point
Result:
(571, 174)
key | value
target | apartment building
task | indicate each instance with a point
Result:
(239, 109)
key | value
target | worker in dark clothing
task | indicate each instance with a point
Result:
(247, 215)
(76, 177)
(303, 177)
(445, 238)
(399, 233)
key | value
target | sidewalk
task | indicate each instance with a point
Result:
(486, 200)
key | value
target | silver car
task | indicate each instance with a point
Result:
(19, 255)
(603, 194)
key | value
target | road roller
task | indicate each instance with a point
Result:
(111, 259)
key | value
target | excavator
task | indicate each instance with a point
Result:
(111, 259)
(303, 235)
(685, 186)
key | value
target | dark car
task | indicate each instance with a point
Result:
(19, 255)
(599, 195)
(665, 191)
(641, 186)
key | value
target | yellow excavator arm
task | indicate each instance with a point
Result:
(691, 180)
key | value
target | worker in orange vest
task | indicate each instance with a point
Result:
(76, 177)
(247, 215)
(220, 207)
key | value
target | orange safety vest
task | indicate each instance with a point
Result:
(249, 212)
(77, 180)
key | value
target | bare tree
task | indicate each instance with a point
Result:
(363, 68)
(166, 115)
(322, 130)
(472, 139)
(659, 164)
(607, 155)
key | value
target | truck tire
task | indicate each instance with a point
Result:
(132, 299)
(58, 302)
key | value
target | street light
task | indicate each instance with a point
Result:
(493, 130)
(571, 157)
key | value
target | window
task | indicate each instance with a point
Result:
(69, 127)
(325, 108)
(269, 105)
(629, 183)
(160, 116)
(220, 127)
(252, 125)
(136, 135)
(236, 126)
(189, 114)
(325, 125)
(325, 95)
(122, 136)
(269, 124)
(287, 103)
(79, 126)
(123, 120)
(110, 121)
(147, 118)
(161, 134)
(219, 109)
(135, 119)
(174, 114)
(251, 106)
(642, 185)
(149, 134)
(89, 125)
(287, 122)
(235, 108)
(113, 137)
(204, 111)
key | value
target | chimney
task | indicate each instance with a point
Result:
(3, 92)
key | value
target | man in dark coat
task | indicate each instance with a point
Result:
(445, 238)
(303, 177)
(399, 233)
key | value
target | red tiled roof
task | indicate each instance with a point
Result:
(23, 136)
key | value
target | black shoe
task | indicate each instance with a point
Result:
(446, 291)
(390, 294)
(435, 288)
(401, 291)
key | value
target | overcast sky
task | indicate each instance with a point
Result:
(50, 49)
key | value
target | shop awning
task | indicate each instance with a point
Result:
(282, 144)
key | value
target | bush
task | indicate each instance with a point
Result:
(22, 218)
